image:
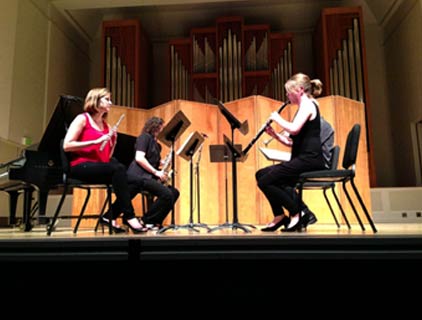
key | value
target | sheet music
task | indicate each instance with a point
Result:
(193, 138)
(275, 155)
(179, 151)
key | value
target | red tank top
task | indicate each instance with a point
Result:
(91, 153)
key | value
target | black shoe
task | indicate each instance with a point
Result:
(116, 229)
(308, 218)
(142, 229)
(283, 222)
(297, 227)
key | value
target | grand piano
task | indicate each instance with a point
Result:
(39, 168)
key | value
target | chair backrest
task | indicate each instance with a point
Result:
(327, 141)
(335, 155)
(351, 149)
(64, 157)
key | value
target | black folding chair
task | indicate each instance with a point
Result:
(347, 174)
(324, 186)
(68, 183)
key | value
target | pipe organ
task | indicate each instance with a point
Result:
(229, 61)
(180, 69)
(340, 60)
(346, 76)
(125, 62)
(230, 70)
(281, 67)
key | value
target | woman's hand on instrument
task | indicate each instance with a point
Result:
(270, 131)
(274, 116)
(113, 132)
(285, 139)
(104, 138)
(161, 175)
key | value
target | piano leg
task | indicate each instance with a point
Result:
(13, 200)
(27, 208)
(42, 206)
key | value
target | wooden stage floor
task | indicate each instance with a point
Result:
(392, 241)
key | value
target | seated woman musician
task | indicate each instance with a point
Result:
(144, 173)
(302, 134)
(91, 142)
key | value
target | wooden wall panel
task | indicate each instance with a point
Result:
(253, 208)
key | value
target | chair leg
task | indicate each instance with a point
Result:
(368, 217)
(299, 187)
(341, 208)
(146, 202)
(81, 213)
(110, 225)
(101, 214)
(331, 209)
(353, 206)
(51, 226)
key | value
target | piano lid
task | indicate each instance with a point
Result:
(66, 110)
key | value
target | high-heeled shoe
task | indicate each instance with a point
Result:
(308, 218)
(274, 226)
(116, 229)
(296, 227)
(142, 229)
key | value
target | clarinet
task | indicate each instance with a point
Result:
(262, 130)
(114, 128)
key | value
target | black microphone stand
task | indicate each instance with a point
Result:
(198, 191)
(190, 225)
(172, 224)
(219, 153)
(226, 187)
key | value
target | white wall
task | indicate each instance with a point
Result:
(403, 52)
(8, 20)
(41, 57)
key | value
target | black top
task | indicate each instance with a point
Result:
(307, 143)
(146, 143)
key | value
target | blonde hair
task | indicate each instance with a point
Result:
(313, 88)
(92, 100)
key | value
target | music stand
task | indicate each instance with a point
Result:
(237, 155)
(170, 133)
(233, 121)
(220, 153)
(186, 151)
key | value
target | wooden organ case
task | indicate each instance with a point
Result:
(126, 62)
(229, 61)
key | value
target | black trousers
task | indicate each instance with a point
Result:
(108, 172)
(277, 182)
(164, 198)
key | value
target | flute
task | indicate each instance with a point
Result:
(114, 128)
(262, 130)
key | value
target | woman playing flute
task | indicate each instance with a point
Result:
(87, 132)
